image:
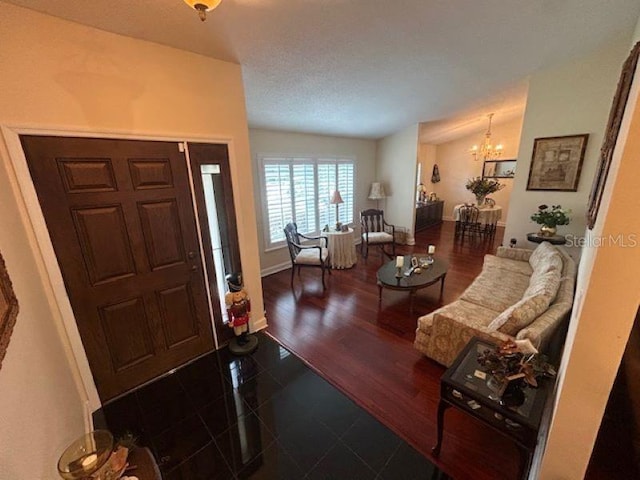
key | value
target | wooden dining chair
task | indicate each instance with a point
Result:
(376, 232)
(306, 255)
(469, 224)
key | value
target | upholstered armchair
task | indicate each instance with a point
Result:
(306, 255)
(376, 232)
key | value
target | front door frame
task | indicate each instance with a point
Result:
(45, 257)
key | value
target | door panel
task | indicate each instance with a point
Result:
(121, 221)
(174, 302)
(162, 236)
(107, 258)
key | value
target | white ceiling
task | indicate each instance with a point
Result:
(368, 68)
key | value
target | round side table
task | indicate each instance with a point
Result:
(553, 240)
(342, 251)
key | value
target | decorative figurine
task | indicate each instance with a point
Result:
(239, 309)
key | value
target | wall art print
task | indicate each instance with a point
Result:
(556, 163)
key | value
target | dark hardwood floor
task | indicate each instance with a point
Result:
(365, 349)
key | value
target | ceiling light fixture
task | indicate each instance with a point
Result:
(487, 151)
(203, 6)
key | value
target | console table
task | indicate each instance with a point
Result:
(429, 214)
(465, 385)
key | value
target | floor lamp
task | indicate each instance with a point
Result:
(376, 193)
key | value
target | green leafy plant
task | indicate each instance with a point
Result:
(483, 186)
(551, 217)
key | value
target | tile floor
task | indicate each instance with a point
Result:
(265, 416)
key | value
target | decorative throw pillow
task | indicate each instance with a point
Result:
(519, 315)
(546, 284)
(545, 257)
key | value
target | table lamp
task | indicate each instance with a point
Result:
(336, 199)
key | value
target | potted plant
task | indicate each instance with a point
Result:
(481, 187)
(550, 218)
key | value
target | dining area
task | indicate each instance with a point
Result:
(476, 222)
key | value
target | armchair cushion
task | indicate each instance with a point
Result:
(311, 256)
(378, 237)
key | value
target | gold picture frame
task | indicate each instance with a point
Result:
(8, 309)
(556, 163)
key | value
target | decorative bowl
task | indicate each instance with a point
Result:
(86, 455)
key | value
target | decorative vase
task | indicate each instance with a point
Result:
(480, 199)
(547, 231)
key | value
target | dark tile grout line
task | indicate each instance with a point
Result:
(379, 474)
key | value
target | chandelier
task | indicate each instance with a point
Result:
(203, 6)
(487, 151)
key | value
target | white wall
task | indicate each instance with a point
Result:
(286, 143)
(574, 98)
(396, 168)
(457, 166)
(427, 158)
(607, 298)
(58, 75)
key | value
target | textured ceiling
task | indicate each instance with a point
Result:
(368, 68)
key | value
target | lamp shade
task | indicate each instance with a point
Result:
(336, 198)
(377, 191)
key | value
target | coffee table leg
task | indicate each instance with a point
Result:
(412, 293)
(442, 406)
(379, 294)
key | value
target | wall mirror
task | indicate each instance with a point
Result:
(499, 169)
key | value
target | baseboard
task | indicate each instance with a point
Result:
(275, 269)
(260, 324)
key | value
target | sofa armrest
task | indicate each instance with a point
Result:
(449, 336)
(521, 254)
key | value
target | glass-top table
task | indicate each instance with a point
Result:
(467, 386)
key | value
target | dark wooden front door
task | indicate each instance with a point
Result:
(121, 221)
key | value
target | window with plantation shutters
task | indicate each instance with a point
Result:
(298, 189)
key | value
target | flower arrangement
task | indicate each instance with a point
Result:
(551, 217)
(482, 187)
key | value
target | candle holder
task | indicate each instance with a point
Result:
(86, 456)
(398, 272)
(431, 249)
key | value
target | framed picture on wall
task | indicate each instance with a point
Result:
(556, 163)
(8, 309)
(611, 134)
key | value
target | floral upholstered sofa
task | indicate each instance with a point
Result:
(520, 294)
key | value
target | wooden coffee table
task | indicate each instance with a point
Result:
(436, 272)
